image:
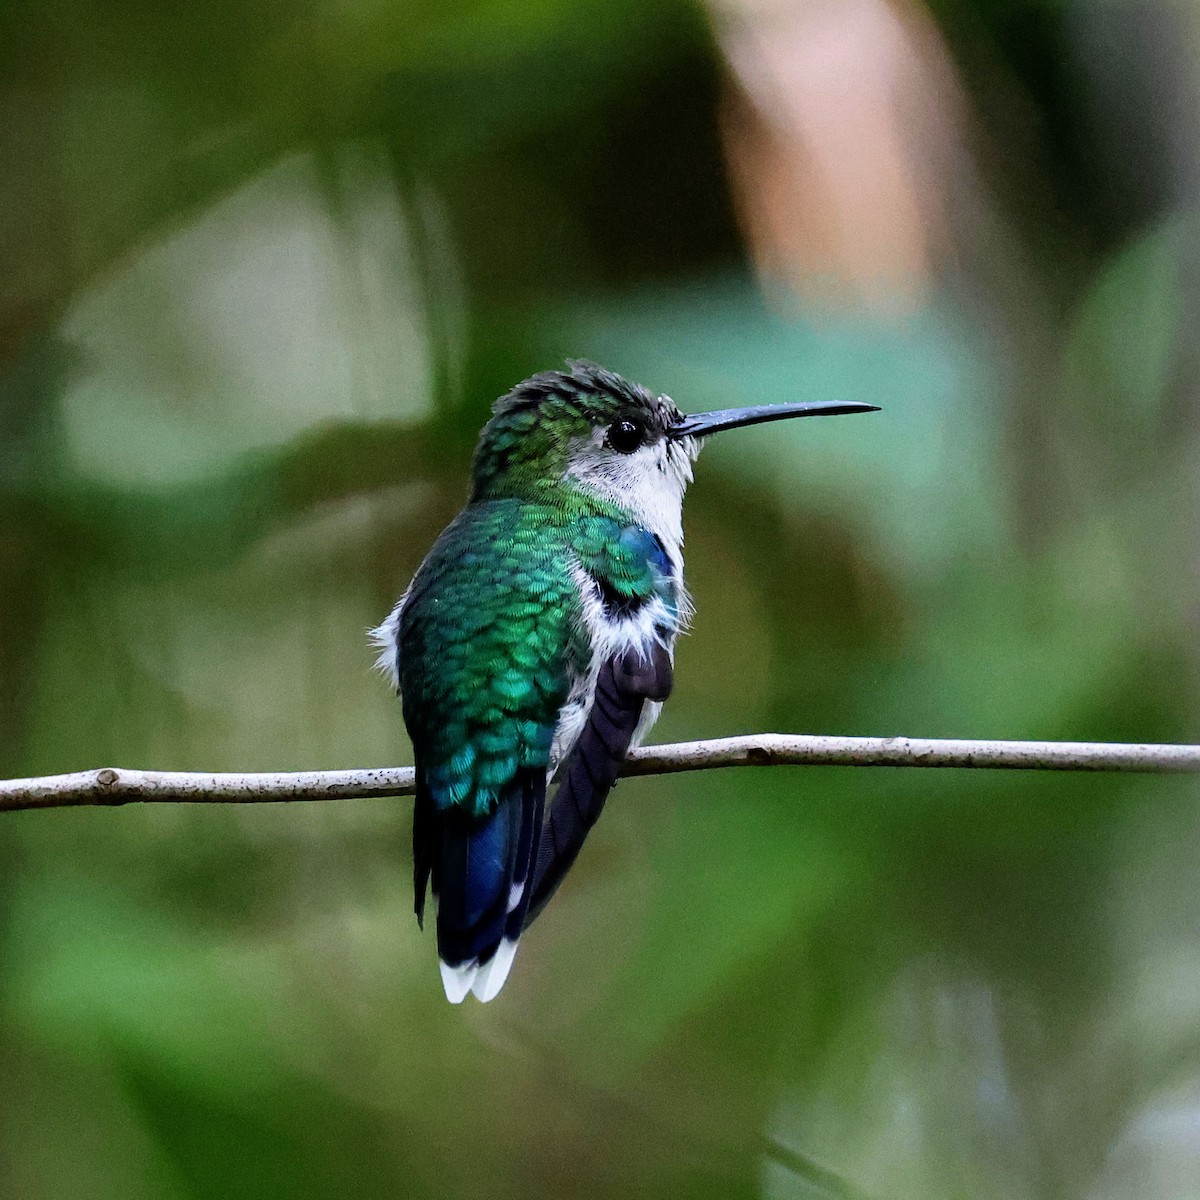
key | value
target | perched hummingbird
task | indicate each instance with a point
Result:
(536, 643)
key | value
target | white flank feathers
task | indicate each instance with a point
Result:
(386, 639)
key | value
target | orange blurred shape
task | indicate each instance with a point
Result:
(841, 128)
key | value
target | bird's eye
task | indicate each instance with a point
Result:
(625, 436)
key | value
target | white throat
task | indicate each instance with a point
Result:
(649, 483)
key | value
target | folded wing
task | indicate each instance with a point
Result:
(628, 680)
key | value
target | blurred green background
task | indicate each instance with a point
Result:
(262, 270)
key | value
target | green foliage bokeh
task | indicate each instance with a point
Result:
(264, 270)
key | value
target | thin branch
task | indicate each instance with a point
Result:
(112, 785)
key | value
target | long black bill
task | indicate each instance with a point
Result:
(702, 424)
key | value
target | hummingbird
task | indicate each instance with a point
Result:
(535, 645)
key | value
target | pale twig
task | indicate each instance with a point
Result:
(112, 785)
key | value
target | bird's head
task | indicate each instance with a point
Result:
(587, 430)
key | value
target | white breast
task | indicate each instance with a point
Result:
(653, 623)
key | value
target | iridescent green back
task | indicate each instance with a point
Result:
(493, 634)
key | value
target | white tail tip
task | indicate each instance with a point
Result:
(495, 971)
(485, 981)
(458, 981)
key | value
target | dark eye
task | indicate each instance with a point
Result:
(625, 436)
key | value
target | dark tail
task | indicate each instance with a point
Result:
(481, 877)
